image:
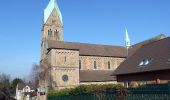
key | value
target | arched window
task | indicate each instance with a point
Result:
(50, 32)
(65, 59)
(108, 64)
(95, 67)
(55, 33)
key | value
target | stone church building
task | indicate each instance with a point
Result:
(69, 64)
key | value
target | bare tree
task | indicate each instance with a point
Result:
(45, 74)
(35, 71)
(5, 86)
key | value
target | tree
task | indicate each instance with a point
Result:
(35, 71)
(5, 86)
(15, 82)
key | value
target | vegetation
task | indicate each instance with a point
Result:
(15, 82)
(84, 89)
(7, 89)
(8, 86)
(121, 94)
(34, 75)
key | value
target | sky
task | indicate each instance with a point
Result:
(87, 21)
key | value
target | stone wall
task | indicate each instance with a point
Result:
(54, 24)
(51, 30)
(65, 63)
(87, 62)
(89, 83)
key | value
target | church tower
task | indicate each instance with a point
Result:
(52, 26)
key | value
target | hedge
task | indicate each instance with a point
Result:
(82, 89)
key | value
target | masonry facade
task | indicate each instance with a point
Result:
(69, 64)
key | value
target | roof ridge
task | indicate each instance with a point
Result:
(91, 44)
(156, 41)
(155, 38)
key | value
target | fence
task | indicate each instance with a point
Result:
(148, 92)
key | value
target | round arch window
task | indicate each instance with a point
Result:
(65, 78)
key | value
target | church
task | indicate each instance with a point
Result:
(69, 64)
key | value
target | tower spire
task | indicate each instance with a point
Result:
(48, 10)
(127, 39)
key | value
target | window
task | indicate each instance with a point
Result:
(65, 59)
(80, 64)
(141, 63)
(169, 60)
(49, 32)
(55, 32)
(65, 78)
(145, 62)
(108, 64)
(95, 67)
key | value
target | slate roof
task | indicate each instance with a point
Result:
(135, 47)
(90, 49)
(96, 76)
(158, 51)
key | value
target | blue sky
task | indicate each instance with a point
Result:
(89, 21)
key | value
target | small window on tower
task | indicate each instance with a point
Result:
(80, 64)
(48, 32)
(55, 33)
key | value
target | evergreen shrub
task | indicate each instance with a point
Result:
(83, 89)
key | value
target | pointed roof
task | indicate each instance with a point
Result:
(48, 10)
(127, 39)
